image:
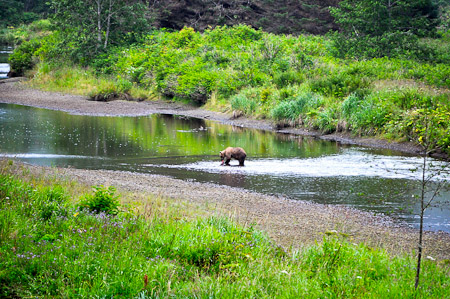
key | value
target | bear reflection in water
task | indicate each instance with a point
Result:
(232, 179)
(237, 153)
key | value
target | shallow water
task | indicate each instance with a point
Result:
(4, 65)
(293, 166)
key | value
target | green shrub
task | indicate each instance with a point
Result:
(40, 25)
(389, 44)
(421, 125)
(339, 85)
(291, 109)
(282, 79)
(102, 201)
(351, 105)
(185, 37)
(327, 120)
(367, 114)
(21, 59)
(51, 202)
(243, 104)
(7, 37)
(195, 85)
(230, 36)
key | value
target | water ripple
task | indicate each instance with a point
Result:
(351, 162)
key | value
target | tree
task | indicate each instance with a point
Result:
(444, 16)
(434, 177)
(16, 12)
(91, 26)
(376, 28)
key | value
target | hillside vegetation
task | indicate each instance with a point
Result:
(294, 80)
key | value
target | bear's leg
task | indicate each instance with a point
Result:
(241, 162)
(227, 162)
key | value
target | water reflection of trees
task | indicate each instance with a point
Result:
(162, 135)
(172, 135)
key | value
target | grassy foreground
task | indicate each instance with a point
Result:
(59, 241)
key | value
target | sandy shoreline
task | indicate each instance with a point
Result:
(290, 223)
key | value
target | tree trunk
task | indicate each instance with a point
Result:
(108, 23)
(99, 22)
(422, 211)
(419, 254)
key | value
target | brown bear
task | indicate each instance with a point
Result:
(233, 152)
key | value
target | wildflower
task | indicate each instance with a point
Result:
(145, 281)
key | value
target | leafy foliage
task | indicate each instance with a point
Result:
(102, 201)
(375, 28)
(292, 108)
(412, 124)
(22, 57)
(90, 27)
(17, 12)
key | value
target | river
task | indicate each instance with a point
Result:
(4, 65)
(297, 167)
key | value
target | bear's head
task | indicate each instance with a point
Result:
(222, 156)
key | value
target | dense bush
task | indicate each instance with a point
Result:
(292, 108)
(243, 104)
(21, 59)
(102, 201)
(420, 124)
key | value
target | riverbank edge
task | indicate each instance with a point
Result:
(288, 222)
(14, 91)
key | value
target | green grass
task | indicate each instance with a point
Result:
(84, 81)
(13, 36)
(51, 248)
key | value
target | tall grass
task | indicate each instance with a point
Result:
(83, 81)
(51, 248)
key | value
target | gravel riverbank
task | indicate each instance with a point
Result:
(288, 222)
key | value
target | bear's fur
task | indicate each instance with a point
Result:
(237, 153)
